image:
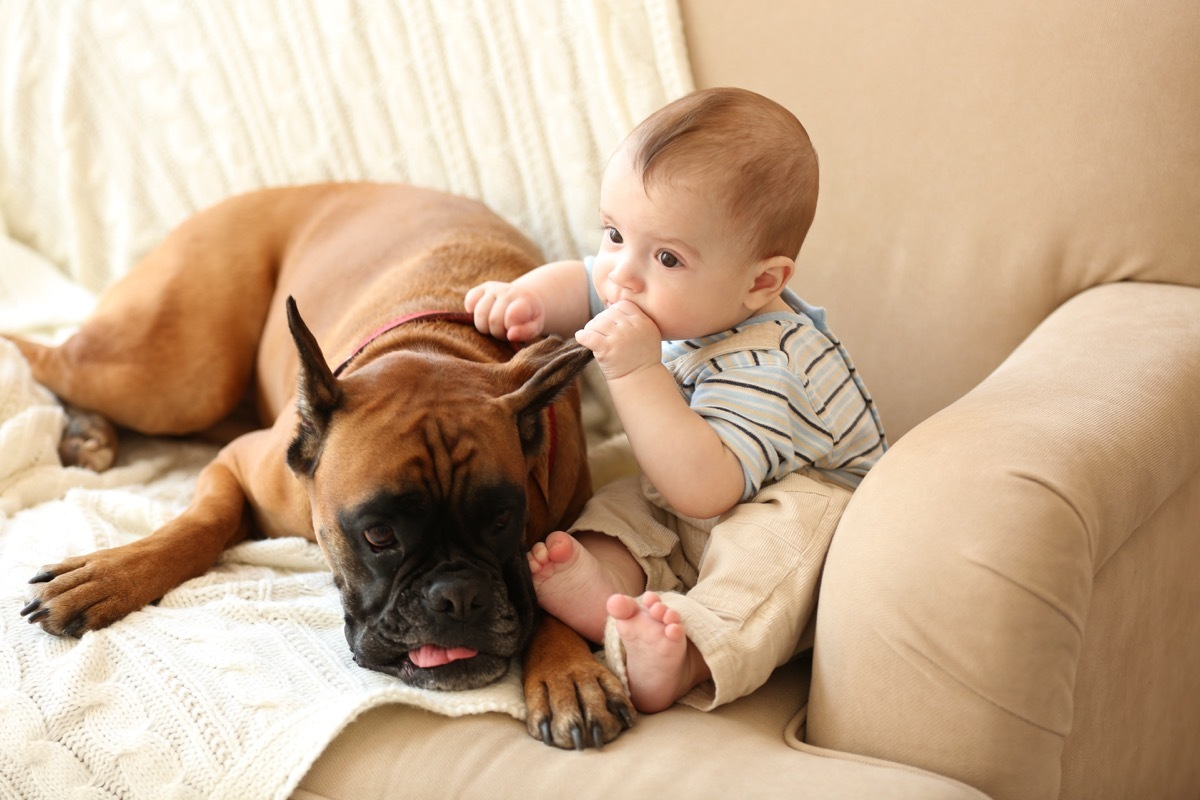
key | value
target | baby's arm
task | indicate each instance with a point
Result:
(551, 299)
(675, 447)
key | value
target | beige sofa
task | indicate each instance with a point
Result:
(1008, 241)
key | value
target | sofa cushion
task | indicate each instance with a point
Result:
(738, 751)
(959, 585)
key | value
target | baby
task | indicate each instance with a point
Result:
(747, 419)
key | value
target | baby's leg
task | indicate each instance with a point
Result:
(662, 664)
(757, 588)
(575, 576)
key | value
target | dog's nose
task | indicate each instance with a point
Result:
(458, 598)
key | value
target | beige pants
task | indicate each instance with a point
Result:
(745, 583)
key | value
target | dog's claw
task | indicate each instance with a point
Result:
(577, 737)
(42, 577)
(626, 719)
(35, 612)
(597, 736)
(547, 737)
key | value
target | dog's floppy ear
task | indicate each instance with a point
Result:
(317, 395)
(541, 372)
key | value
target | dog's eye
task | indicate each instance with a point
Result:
(380, 536)
(503, 520)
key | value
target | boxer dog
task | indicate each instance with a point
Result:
(424, 464)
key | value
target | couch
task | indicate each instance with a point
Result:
(1007, 240)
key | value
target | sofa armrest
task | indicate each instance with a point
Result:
(957, 588)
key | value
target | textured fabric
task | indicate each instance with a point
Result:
(117, 121)
(229, 687)
(120, 119)
(972, 552)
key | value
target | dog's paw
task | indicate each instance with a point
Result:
(578, 706)
(89, 441)
(82, 594)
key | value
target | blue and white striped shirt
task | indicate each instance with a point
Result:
(782, 393)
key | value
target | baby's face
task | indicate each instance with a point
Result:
(671, 253)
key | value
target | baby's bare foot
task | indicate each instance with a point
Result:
(571, 584)
(661, 663)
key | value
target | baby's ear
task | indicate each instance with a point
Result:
(771, 276)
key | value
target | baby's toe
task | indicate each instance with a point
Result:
(621, 606)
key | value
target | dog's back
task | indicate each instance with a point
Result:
(172, 346)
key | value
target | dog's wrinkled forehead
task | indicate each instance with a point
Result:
(434, 419)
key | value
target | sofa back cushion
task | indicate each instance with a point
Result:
(981, 163)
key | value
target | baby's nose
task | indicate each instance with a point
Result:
(624, 274)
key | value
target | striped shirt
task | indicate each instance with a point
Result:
(782, 393)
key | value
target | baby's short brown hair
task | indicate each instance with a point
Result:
(753, 152)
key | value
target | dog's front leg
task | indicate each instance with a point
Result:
(89, 592)
(572, 700)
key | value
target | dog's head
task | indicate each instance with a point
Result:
(418, 468)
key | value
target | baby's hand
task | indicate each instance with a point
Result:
(623, 339)
(506, 311)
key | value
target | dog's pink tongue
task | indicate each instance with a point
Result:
(430, 655)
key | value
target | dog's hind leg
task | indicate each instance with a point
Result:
(89, 440)
(170, 348)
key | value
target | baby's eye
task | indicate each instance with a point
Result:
(613, 235)
(667, 259)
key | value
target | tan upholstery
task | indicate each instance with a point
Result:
(1011, 598)
(980, 164)
(956, 605)
(739, 751)
(1008, 239)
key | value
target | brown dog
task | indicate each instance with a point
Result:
(424, 466)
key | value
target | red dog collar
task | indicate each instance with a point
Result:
(449, 316)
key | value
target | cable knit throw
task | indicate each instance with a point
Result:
(118, 119)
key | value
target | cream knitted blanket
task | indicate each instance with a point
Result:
(119, 119)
